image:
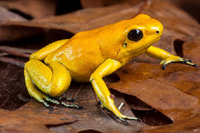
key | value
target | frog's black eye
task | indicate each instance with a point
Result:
(135, 35)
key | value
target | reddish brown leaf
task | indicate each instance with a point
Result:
(191, 7)
(35, 9)
(16, 52)
(95, 17)
(99, 3)
(12, 61)
(191, 49)
(31, 120)
(8, 32)
(189, 124)
(9, 16)
(19, 50)
(84, 19)
(11, 85)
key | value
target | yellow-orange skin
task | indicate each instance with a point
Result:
(89, 56)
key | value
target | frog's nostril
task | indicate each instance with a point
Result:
(157, 32)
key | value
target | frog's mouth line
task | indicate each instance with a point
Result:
(133, 51)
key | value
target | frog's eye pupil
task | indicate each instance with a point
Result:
(135, 35)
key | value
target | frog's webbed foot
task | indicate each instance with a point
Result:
(174, 59)
(59, 101)
(122, 118)
(127, 117)
(64, 99)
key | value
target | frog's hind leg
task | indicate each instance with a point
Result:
(52, 80)
(42, 53)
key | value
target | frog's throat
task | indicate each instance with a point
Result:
(146, 46)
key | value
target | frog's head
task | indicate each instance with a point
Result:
(139, 35)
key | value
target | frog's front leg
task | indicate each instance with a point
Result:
(106, 68)
(166, 57)
(52, 80)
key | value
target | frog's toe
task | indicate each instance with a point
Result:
(133, 118)
(71, 105)
(48, 99)
(164, 66)
(121, 105)
(68, 99)
(126, 117)
(124, 121)
(59, 101)
(48, 106)
(129, 118)
(65, 99)
(189, 62)
(45, 104)
(176, 59)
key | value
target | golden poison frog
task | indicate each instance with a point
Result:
(91, 55)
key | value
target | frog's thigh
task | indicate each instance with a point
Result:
(42, 53)
(53, 79)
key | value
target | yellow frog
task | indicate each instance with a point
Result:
(91, 55)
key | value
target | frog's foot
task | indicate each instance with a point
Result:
(59, 101)
(121, 105)
(64, 99)
(119, 115)
(127, 117)
(172, 59)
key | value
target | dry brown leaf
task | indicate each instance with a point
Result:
(99, 3)
(11, 85)
(85, 19)
(192, 7)
(190, 124)
(191, 49)
(9, 16)
(33, 8)
(10, 11)
(8, 33)
(31, 121)
(32, 118)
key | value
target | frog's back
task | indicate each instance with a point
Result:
(80, 55)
